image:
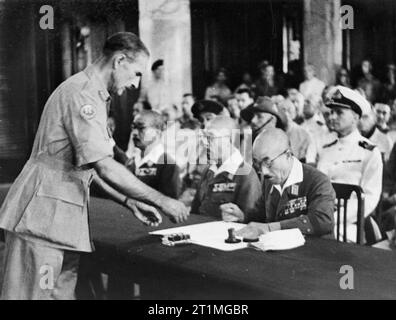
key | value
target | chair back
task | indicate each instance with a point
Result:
(343, 194)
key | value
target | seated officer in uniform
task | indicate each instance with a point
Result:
(151, 164)
(295, 195)
(227, 177)
(351, 158)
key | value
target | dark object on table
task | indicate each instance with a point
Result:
(231, 237)
(250, 240)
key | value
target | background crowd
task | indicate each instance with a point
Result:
(271, 100)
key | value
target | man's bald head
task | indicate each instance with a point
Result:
(272, 156)
(270, 143)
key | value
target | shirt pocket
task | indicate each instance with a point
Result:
(56, 211)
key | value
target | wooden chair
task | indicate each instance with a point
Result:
(343, 194)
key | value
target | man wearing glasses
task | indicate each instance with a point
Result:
(227, 177)
(294, 195)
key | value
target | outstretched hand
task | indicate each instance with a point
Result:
(147, 214)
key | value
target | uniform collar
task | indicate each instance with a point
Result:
(231, 165)
(154, 154)
(295, 176)
(353, 137)
(93, 75)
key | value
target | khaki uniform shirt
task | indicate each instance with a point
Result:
(48, 201)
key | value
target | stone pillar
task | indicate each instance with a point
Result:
(165, 28)
(323, 37)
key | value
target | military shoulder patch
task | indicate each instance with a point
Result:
(366, 145)
(88, 112)
(330, 144)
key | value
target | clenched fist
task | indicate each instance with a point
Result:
(230, 212)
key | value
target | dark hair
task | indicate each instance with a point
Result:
(157, 64)
(126, 42)
(245, 90)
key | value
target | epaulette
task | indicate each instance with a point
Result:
(366, 145)
(330, 144)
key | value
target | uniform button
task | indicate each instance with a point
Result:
(308, 230)
(305, 221)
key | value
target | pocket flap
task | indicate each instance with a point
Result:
(68, 191)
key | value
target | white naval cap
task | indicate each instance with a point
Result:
(344, 97)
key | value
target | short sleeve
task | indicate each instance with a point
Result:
(85, 121)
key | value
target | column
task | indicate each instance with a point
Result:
(165, 28)
(323, 37)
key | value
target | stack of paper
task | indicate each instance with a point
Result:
(280, 240)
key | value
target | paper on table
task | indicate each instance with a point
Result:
(280, 240)
(209, 234)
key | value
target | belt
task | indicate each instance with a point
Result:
(67, 168)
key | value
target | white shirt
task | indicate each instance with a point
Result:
(295, 176)
(345, 161)
(231, 165)
(319, 132)
(312, 87)
(152, 156)
(383, 142)
(158, 94)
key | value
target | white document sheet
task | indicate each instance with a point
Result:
(209, 234)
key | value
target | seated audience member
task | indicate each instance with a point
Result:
(294, 195)
(278, 100)
(351, 158)
(219, 88)
(266, 116)
(367, 82)
(233, 108)
(312, 86)
(268, 84)
(301, 144)
(244, 98)
(389, 86)
(138, 107)
(187, 120)
(369, 130)
(383, 112)
(227, 177)
(206, 110)
(298, 100)
(150, 163)
(314, 122)
(342, 78)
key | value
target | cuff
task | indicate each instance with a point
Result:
(274, 226)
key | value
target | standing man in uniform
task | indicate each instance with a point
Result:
(351, 158)
(45, 214)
